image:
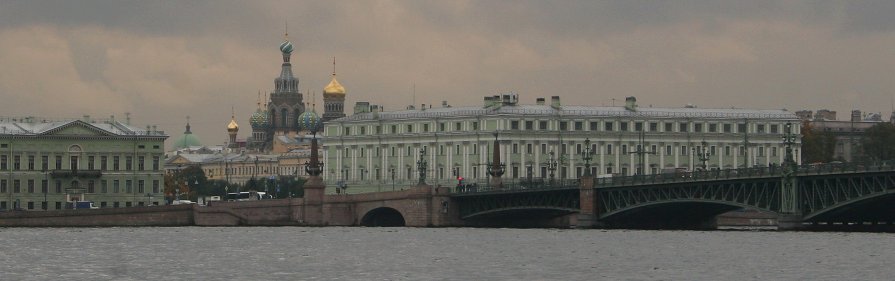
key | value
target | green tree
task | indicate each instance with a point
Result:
(878, 142)
(817, 145)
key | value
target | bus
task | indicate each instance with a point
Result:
(247, 196)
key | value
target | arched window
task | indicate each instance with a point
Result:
(284, 116)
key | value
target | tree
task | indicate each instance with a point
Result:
(817, 146)
(878, 142)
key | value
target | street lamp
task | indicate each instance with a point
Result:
(587, 155)
(551, 166)
(702, 154)
(149, 194)
(528, 173)
(392, 170)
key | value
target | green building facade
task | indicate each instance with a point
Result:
(45, 164)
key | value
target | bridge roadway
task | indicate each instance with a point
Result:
(837, 196)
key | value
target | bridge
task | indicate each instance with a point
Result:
(834, 195)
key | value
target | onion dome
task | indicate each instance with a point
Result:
(334, 88)
(309, 121)
(259, 120)
(286, 47)
(232, 127)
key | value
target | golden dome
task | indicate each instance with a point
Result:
(232, 127)
(334, 88)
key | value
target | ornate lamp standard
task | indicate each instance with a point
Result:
(551, 166)
(421, 166)
(788, 198)
(587, 155)
(702, 155)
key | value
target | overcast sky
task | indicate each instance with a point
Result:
(164, 60)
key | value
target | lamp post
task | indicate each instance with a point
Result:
(587, 155)
(702, 154)
(392, 170)
(551, 166)
(528, 173)
(45, 185)
(149, 194)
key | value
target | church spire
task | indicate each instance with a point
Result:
(187, 125)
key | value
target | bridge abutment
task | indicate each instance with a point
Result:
(313, 207)
(587, 217)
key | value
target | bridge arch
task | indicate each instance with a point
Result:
(877, 207)
(530, 212)
(383, 216)
(681, 214)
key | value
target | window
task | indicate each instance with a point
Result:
(542, 125)
(594, 126)
(441, 127)
(638, 126)
(697, 127)
(668, 150)
(31, 162)
(363, 130)
(713, 128)
(741, 128)
(668, 127)
(564, 149)
(104, 186)
(761, 151)
(727, 150)
(528, 148)
(624, 149)
(17, 163)
(378, 130)
(759, 128)
(45, 163)
(30, 186)
(155, 186)
(155, 163)
(609, 149)
(103, 162)
(116, 186)
(129, 186)
(457, 149)
(457, 126)
(774, 151)
(623, 126)
(425, 128)
(44, 186)
(90, 165)
(579, 126)
(475, 126)
(607, 126)
(394, 129)
(141, 187)
(16, 186)
(727, 128)
(774, 129)
(128, 163)
(514, 125)
(91, 186)
(58, 186)
(712, 150)
(653, 127)
(115, 161)
(543, 148)
(347, 131)
(683, 127)
(74, 162)
(141, 163)
(563, 126)
(529, 125)
(3, 159)
(655, 149)
(2, 186)
(515, 148)
(683, 150)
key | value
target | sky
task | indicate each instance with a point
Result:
(162, 61)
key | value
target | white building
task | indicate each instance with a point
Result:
(375, 150)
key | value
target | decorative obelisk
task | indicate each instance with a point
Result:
(314, 188)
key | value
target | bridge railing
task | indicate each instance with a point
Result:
(515, 185)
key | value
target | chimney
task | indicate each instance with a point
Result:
(444, 104)
(554, 102)
(631, 103)
(540, 101)
(423, 107)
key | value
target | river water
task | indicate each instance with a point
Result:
(357, 253)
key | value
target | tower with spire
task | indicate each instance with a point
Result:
(333, 98)
(285, 103)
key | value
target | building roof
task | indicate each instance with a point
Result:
(36, 126)
(577, 110)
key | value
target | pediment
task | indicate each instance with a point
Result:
(76, 128)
